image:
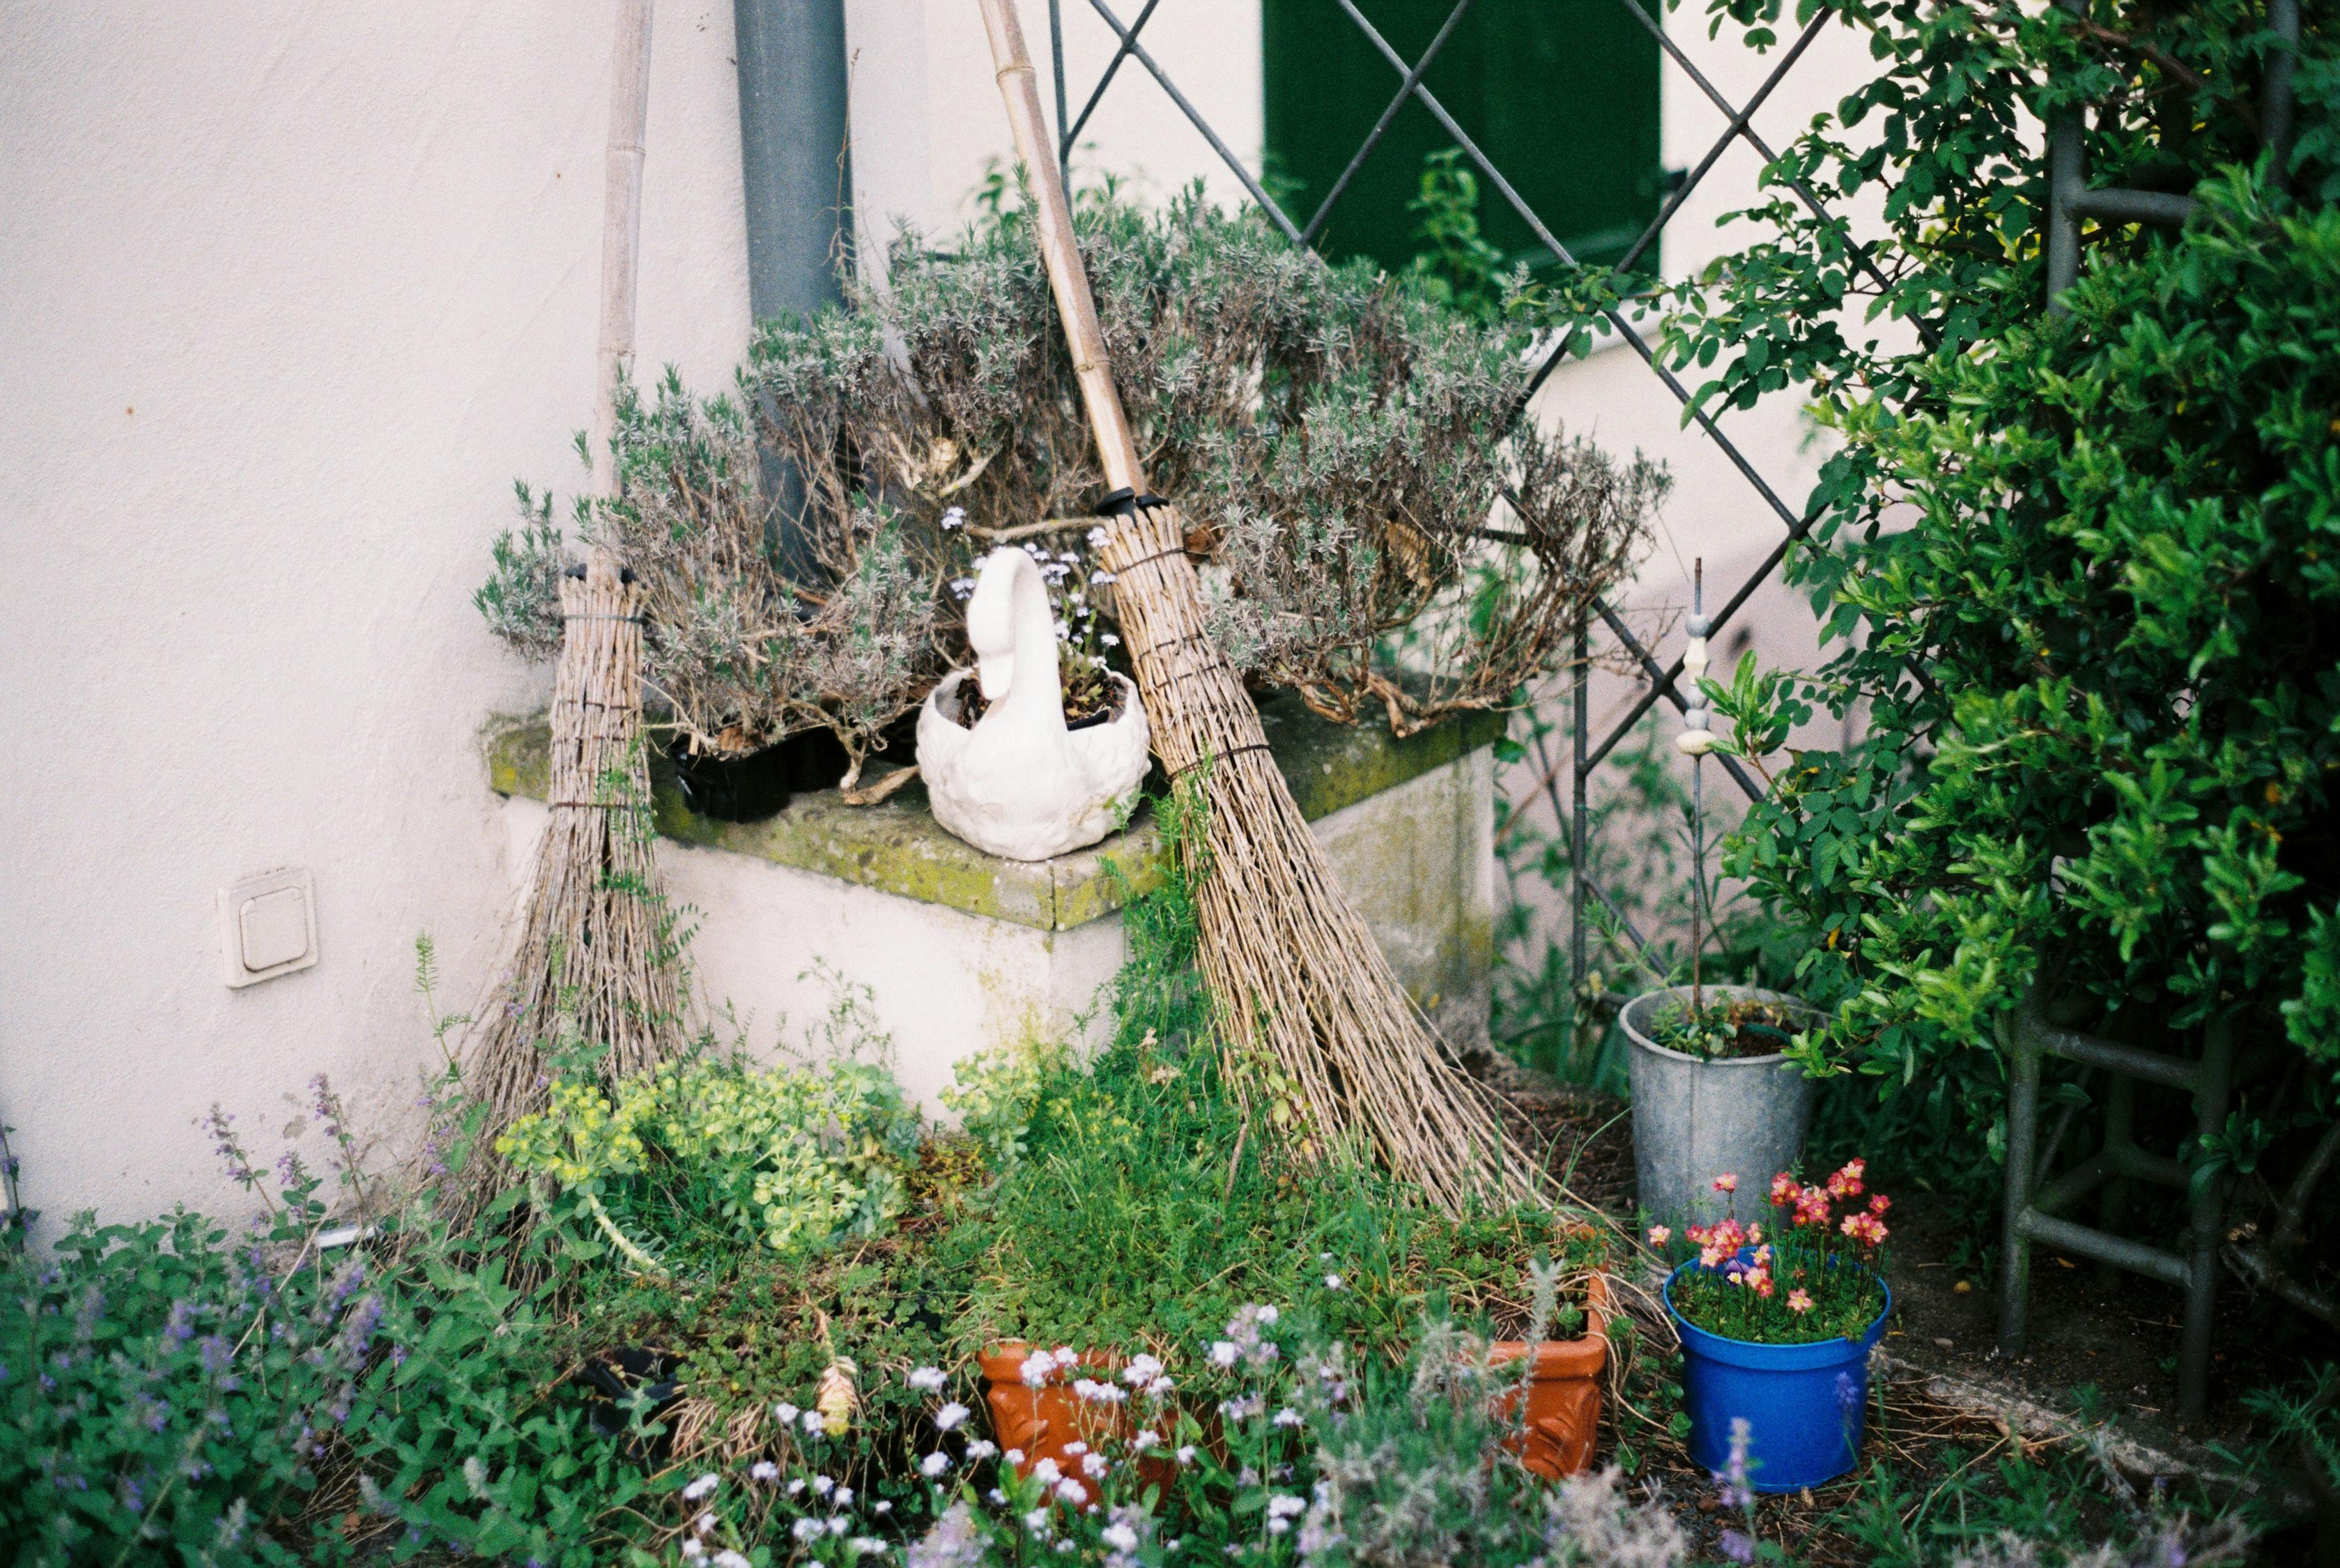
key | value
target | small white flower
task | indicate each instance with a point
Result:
(881, 1506)
(961, 587)
(1284, 1506)
(1226, 1353)
(693, 1547)
(982, 1448)
(837, 1523)
(1014, 1456)
(805, 1529)
(1048, 1470)
(1278, 1526)
(812, 1422)
(1287, 1416)
(955, 517)
(933, 1465)
(1120, 1537)
(1109, 639)
(1097, 538)
(867, 1546)
(1038, 1368)
(950, 1416)
(1077, 1446)
(1185, 1454)
(844, 1498)
(1159, 1388)
(996, 1496)
(796, 1486)
(1334, 1282)
(705, 1521)
(928, 1379)
(787, 1413)
(1145, 1442)
(698, 1489)
(1141, 1371)
(1071, 1491)
(1036, 1521)
(822, 1485)
(727, 1558)
(763, 1470)
(1267, 1315)
(1095, 1465)
(1101, 577)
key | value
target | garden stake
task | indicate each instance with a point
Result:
(1290, 963)
(593, 967)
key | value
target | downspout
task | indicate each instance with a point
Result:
(793, 155)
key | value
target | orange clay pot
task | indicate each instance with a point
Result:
(1565, 1392)
(1564, 1396)
(1043, 1421)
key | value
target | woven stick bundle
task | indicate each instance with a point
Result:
(593, 962)
(1290, 965)
(593, 967)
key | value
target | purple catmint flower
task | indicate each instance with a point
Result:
(358, 1330)
(214, 1353)
(178, 1327)
(1738, 1545)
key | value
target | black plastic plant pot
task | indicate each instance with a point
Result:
(626, 1381)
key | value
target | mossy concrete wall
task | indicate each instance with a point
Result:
(959, 950)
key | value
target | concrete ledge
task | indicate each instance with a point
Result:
(897, 846)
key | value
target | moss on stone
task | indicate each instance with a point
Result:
(897, 846)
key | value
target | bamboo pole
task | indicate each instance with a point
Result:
(1293, 968)
(621, 226)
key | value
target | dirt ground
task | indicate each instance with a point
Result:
(2103, 1344)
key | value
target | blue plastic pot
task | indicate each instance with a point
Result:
(1804, 1404)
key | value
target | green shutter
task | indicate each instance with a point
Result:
(1561, 95)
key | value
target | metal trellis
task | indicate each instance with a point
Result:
(1659, 680)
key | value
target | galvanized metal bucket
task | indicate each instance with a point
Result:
(1695, 1120)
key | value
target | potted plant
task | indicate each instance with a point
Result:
(1055, 1405)
(1777, 1326)
(1713, 1090)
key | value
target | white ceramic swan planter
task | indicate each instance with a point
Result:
(1019, 785)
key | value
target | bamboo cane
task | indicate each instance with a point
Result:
(593, 970)
(1292, 966)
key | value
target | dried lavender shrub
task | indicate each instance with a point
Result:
(1343, 446)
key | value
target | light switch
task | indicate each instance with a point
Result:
(268, 925)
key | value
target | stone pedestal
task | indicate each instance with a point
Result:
(957, 950)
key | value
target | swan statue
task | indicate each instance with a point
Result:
(1018, 784)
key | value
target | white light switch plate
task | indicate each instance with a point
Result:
(268, 926)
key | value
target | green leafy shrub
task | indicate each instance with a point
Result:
(2078, 566)
(793, 1157)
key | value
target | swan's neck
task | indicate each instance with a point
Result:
(1036, 691)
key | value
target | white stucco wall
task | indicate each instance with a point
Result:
(288, 297)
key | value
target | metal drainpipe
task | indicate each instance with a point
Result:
(793, 155)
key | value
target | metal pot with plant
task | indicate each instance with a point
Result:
(1714, 1086)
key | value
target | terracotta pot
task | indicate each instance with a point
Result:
(1564, 1394)
(1042, 1422)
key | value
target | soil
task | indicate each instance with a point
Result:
(1083, 708)
(2102, 1344)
